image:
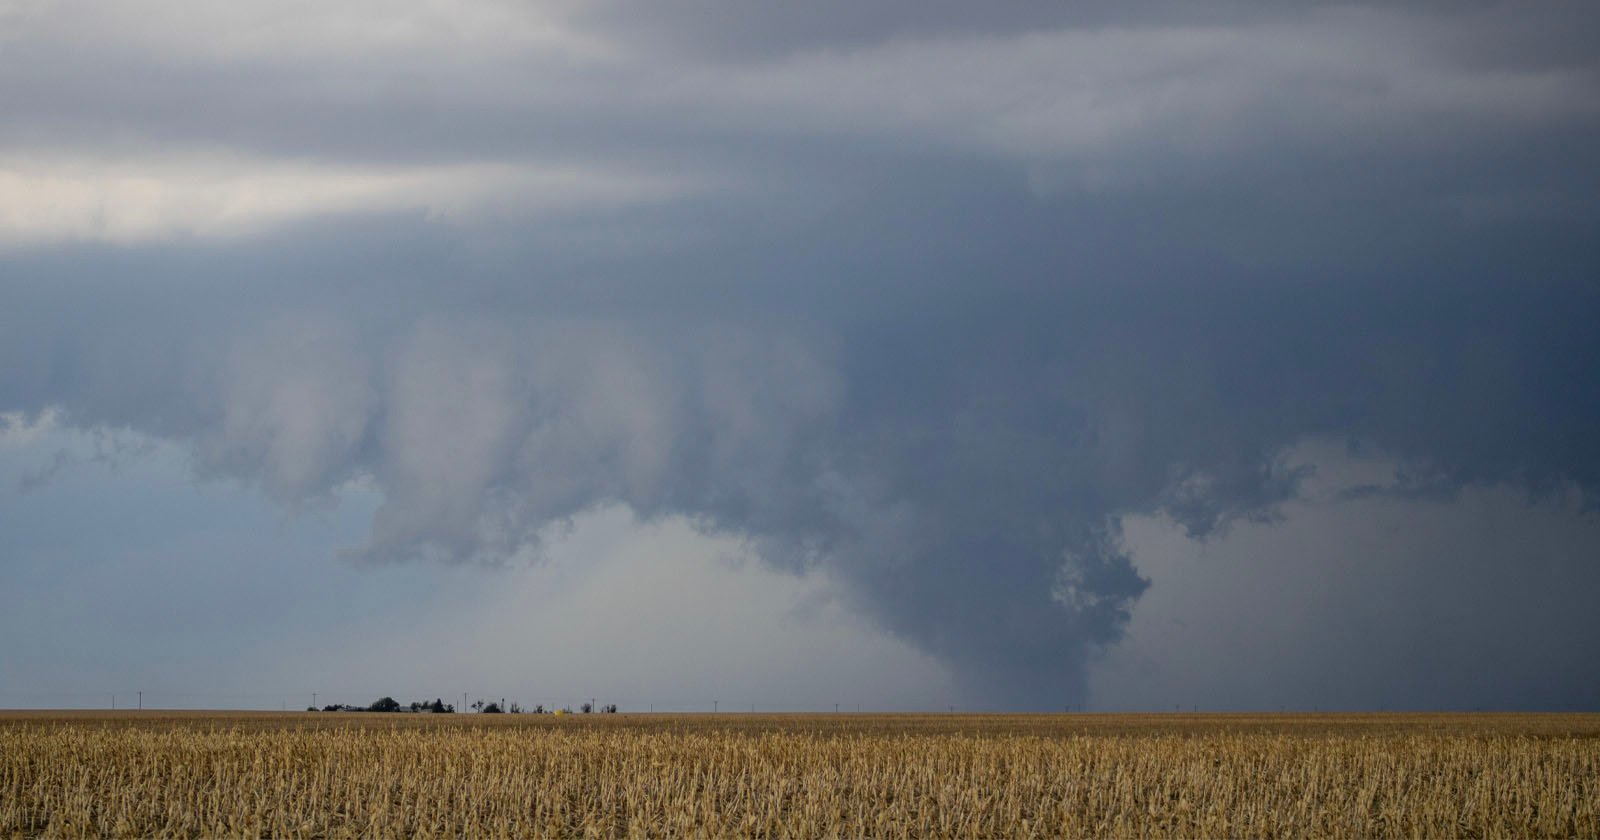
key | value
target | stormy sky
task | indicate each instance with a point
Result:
(1022, 356)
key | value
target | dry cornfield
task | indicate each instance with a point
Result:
(326, 775)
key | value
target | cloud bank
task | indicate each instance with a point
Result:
(933, 308)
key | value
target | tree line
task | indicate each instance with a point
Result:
(438, 706)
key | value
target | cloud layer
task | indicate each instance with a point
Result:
(931, 309)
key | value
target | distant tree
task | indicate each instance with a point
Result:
(477, 705)
(311, 708)
(438, 707)
(333, 707)
(610, 710)
(384, 704)
(587, 707)
(491, 709)
(514, 708)
(539, 709)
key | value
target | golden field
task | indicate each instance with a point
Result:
(334, 775)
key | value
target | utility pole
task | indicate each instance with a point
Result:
(113, 702)
(141, 700)
(713, 707)
(314, 705)
(463, 702)
(836, 708)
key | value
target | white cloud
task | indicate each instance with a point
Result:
(21, 430)
(138, 200)
(1093, 108)
(303, 29)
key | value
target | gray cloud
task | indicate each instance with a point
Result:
(1415, 602)
(966, 299)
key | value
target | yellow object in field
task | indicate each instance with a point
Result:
(560, 712)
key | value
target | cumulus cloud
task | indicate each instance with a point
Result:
(911, 350)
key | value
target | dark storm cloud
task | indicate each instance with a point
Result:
(958, 298)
